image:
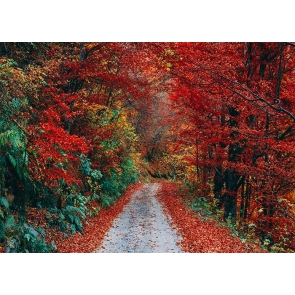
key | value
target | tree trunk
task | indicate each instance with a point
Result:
(232, 183)
(218, 185)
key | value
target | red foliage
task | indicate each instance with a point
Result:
(237, 102)
(200, 236)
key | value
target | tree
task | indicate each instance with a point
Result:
(238, 101)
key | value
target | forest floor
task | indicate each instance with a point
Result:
(157, 220)
(200, 233)
(147, 218)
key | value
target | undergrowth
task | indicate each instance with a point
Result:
(206, 210)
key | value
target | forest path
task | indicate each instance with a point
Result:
(142, 227)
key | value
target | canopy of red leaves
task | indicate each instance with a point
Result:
(199, 236)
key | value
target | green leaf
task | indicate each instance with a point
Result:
(12, 160)
(13, 63)
(33, 232)
(61, 216)
(3, 138)
(17, 104)
(10, 222)
(72, 209)
(4, 202)
(71, 218)
(73, 229)
(27, 237)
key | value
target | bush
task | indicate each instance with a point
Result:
(25, 239)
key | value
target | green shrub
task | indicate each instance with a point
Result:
(23, 238)
(67, 219)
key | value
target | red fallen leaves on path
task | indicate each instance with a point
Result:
(200, 236)
(95, 228)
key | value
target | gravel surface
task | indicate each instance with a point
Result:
(141, 227)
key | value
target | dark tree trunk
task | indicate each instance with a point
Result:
(247, 199)
(218, 185)
(243, 201)
(233, 181)
(231, 185)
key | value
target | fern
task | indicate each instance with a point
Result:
(105, 201)
(72, 209)
(77, 223)
(73, 229)
(74, 216)
(26, 239)
(67, 218)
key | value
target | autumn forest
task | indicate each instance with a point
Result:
(84, 126)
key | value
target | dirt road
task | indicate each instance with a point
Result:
(141, 227)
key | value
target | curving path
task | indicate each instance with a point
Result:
(141, 227)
